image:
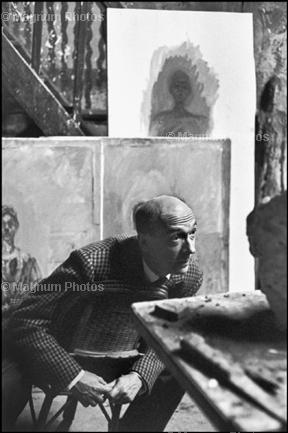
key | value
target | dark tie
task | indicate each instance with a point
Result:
(159, 289)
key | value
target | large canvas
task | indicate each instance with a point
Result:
(182, 74)
(48, 184)
(81, 190)
(195, 170)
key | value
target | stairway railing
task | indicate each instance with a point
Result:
(65, 44)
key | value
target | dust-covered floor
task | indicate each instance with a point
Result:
(187, 417)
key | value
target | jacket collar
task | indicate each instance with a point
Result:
(132, 267)
(150, 275)
(130, 263)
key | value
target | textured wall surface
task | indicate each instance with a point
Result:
(270, 51)
(67, 194)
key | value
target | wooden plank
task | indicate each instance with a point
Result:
(112, 4)
(227, 409)
(225, 203)
(13, 39)
(228, 371)
(80, 40)
(193, 6)
(37, 36)
(24, 53)
(35, 97)
(88, 73)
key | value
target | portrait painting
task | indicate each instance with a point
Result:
(183, 94)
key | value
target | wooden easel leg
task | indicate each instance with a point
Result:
(113, 426)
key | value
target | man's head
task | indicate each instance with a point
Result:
(180, 86)
(166, 228)
(10, 223)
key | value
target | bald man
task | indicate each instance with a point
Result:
(159, 263)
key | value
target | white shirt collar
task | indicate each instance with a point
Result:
(150, 275)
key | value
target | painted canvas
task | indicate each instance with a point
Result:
(19, 269)
(189, 74)
(193, 169)
(50, 184)
(183, 93)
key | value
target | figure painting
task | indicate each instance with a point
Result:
(183, 94)
(19, 269)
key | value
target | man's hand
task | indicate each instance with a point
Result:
(125, 388)
(91, 389)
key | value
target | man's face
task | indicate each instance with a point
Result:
(167, 251)
(180, 90)
(9, 227)
(180, 87)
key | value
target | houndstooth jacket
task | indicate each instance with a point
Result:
(116, 264)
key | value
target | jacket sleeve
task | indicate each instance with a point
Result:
(30, 326)
(150, 366)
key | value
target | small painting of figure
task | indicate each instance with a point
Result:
(181, 93)
(19, 269)
(179, 119)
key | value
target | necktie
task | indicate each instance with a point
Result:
(159, 289)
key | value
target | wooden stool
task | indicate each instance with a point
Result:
(41, 423)
(81, 347)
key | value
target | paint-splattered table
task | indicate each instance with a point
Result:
(226, 352)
